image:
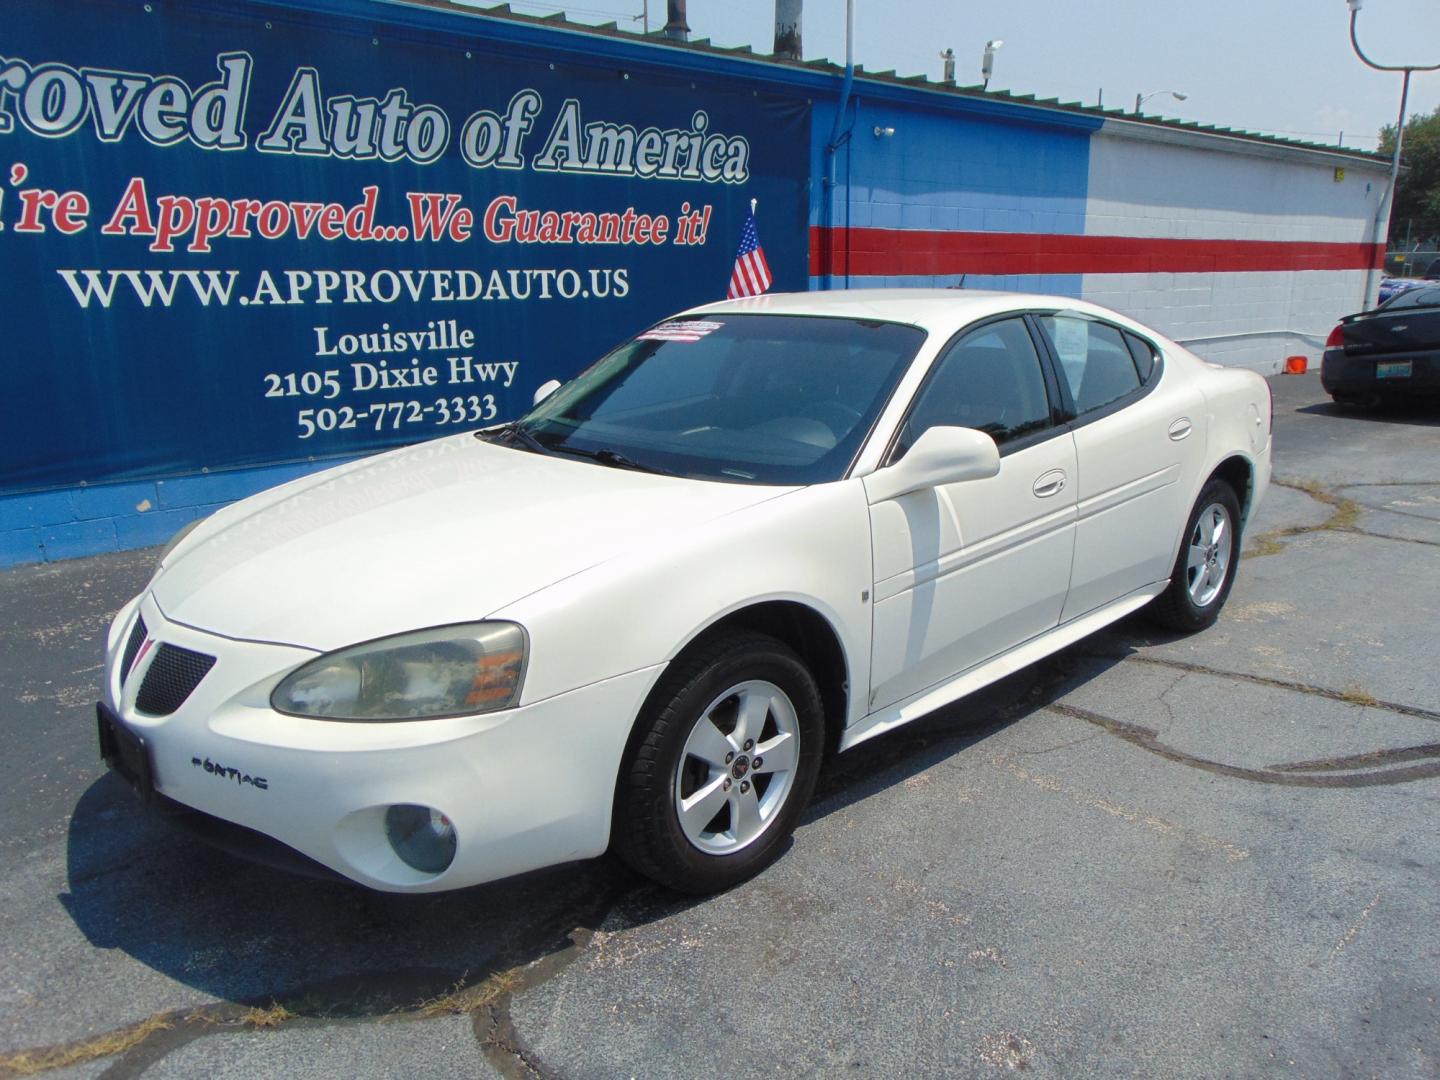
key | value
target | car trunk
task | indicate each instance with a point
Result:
(1401, 332)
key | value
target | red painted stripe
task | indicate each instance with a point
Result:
(921, 251)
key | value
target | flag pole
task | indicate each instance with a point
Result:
(753, 203)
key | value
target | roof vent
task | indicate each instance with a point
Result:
(787, 29)
(676, 29)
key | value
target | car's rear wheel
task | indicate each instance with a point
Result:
(1205, 568)
(725, 759)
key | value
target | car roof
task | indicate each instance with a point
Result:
(939, 310)
(1420, 296)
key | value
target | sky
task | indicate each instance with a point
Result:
(1277, 66)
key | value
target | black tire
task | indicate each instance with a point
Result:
(647, 831)
(1183, 606)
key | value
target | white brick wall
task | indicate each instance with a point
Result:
(1144, 183)
(1144, 188)
(1254, 319)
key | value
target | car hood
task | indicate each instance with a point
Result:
(444, 532)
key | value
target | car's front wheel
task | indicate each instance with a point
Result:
(1205, 568)
(725, 759)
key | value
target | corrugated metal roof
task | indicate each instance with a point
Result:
(824, 66)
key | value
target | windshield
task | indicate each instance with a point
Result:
(762, 399)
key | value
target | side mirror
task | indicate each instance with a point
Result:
(546, 389)
(942, 455)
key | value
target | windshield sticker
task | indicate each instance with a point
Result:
(680, 330)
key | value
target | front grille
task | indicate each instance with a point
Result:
(172, 677)
(137, 638)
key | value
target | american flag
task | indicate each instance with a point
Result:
(751, 275)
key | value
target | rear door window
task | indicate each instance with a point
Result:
(1097, 364)
(1144, 355)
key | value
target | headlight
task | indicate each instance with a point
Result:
(447, 671)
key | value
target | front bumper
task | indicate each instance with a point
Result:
(525, 788)
(1342, 374)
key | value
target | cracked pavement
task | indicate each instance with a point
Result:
(1150, 855)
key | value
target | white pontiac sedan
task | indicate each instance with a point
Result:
(638, 617)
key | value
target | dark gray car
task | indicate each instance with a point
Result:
(1391, 352)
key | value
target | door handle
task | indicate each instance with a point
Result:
(1180, 429)
(1050, 483)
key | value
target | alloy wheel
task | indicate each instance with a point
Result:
(737, 767)
(1208, 563)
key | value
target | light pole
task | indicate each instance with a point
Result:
(1383, 210)
(1140, 99)
(987, 62)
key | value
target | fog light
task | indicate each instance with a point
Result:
(422, 836)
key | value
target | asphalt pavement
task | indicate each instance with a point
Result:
(1203, 856)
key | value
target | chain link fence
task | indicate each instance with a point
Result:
(1414, 248)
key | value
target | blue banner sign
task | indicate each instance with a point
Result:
(238, 233)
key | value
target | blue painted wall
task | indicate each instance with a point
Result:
(51, 525)
(952, 164)
(949, 166)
